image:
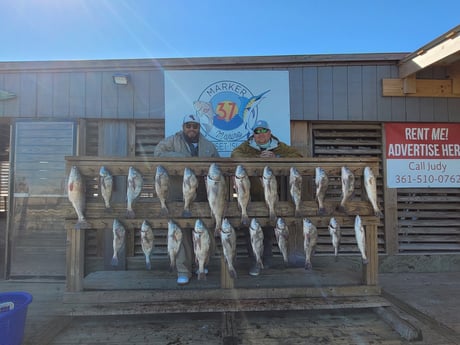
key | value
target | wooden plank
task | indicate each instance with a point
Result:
(223, 305)
(425, 88)
(370, 271)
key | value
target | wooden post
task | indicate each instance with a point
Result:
(75, 260)
(226, 282)
(370, 271)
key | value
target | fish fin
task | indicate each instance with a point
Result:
(164, 211)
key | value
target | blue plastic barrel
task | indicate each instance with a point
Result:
(13, 312)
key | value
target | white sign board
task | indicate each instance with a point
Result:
(228, 104)
(423, 155)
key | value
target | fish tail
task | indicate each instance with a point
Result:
(164, 210)
(130, 214)
(244, 219)
(114, 261)
(186, 213)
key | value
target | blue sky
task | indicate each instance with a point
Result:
(37, 30)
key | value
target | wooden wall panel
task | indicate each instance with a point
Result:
(296, 93)
(383, 104)
(310, 93)
(325, 96)
(93, 95)
(141, 85)
(369, 92)
(61, 95)
(12, 83)
(157, 95)
(44, 94)
(355, 93)
(109, 99)
(125, 104)
(339, 93)
(27, 95)
(77, 99)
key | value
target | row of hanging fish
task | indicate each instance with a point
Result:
(203, 242)
(216, 191)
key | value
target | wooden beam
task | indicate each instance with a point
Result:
(424, 88)
(454, 73)
(427, 57)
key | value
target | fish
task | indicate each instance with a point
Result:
(216, 190)
(201, 247)
(106, 186)
(334, 231)
(270, 191)
(228, 240)
(76, 195)
(162, 188)
(242, 187)
(135, 184)
(295, 188)
(348, 187)
(174, 243)
(370, 184)
(205, 112)
(189, 190)
(257, 241)
(360, 236)
(282, 236)
(4, 95)
(119, 235)
(147, 239)
(322, 182)
(310, 238)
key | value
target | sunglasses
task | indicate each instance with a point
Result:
(192, 125)
(260, 130)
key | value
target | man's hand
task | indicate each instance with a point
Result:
(267, 154)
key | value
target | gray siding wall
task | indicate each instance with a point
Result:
(324, 92)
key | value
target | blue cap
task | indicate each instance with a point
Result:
(191, 118)
(261, 124)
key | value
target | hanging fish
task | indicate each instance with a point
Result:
(310, 237)
(174, 243)
(270, 191)
(334, 231)
(76, 195)
(119, 235)
(282, 236)
(257, 241)
(216, 189)
(370, 184)
(106, 186)
(189, 190)
(348, 187)
(201, 247)
(295, 188)
(322, 182)
(360, 236)
(147, 239)
(242, 186)
(135, 184)
(228, 239)
(162, 188)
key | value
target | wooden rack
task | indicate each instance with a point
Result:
(148, 207)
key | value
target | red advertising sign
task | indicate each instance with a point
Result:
(422, 155)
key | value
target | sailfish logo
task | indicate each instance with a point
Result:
(249, 113)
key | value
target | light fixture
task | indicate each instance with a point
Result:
(121, 79)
